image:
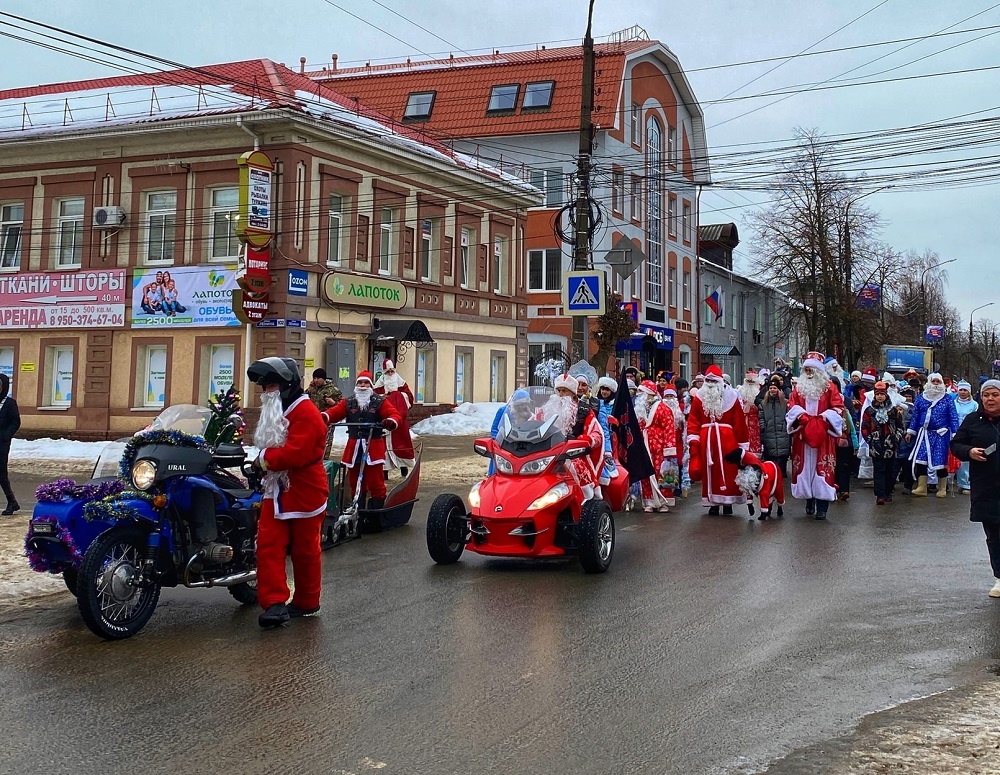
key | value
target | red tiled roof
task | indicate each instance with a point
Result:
(463, 86)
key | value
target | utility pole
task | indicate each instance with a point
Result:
(581, 250)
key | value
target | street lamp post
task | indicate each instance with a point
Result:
(850, 354)
(923, 299)
(981, 306)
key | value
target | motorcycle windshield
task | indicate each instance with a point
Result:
(107, 463)
(187, 418)
(535, 418)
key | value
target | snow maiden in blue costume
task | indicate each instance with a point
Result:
(933, 423)
(606, 389)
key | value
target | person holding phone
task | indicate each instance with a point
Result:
(976, 441)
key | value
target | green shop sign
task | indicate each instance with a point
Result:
(360, 291)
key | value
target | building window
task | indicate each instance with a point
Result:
(218, 369)
(503, 98)
(672, 146)
(465, 265)
(161, 220)
(385, 242)
(223, 217)
(499, 264)
(733, 312)
(672, 285)
(686, 222)
(617, 190)
(553, 183)
(498, 376)
(635, 199)
(654, 212)
(463, 375)
(419, 105)
(59, 370)
(426, 376)
(151, 387)
(69, 250)
(545, 270)
(335, 230)
(538, 94)
(672, 216)
(427, 251)
(637, 125)
(7, 364)
(11, 225)
(686, 290)
(684, 363)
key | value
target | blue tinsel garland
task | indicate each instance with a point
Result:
(144, 438)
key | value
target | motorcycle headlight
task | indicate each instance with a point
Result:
(504, 466)
(550, 498)
(143, 474)
(474, 496)
(536, 466)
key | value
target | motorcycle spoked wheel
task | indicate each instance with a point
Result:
(110, 607)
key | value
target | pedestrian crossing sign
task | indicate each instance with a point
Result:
(583, 293)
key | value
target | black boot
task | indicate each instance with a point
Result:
(275, 616)
(727, 511)
(713, 511)
(12, 506)
(374, 504)
(403, 471)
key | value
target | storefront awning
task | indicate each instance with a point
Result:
(718, 350)
(401, 331)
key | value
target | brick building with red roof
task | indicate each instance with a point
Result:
(520, 111)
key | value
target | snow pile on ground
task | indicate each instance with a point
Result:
(467, 420)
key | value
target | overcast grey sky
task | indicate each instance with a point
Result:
(955, 222)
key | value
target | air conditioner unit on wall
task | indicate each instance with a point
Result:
(112, 217)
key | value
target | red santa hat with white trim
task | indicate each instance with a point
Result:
(387, 364)
(814, 360)
(714, 374)
(566, 381)
(364, 375)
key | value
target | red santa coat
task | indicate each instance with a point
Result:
(659, 430)
(814, 467)
(301, 456)
(376, 447)
(711, 439)
(400, 440)
(753, 426)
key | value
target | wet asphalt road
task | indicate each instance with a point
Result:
(714, 644)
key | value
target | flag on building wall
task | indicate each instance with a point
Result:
(714, 302)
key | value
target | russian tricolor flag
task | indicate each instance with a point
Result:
(714, 302)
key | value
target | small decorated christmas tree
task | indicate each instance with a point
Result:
(224, 406)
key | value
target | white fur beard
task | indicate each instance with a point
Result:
(641, 403)
(272, 427)
(363, 396)
(748, 393)
(748, 480)
(932, 392)
(391, 383)
(562, 407)
(812, 387)
(711, 398)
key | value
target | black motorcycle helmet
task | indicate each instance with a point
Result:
(283, 372)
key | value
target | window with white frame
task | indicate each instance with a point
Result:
(427, 251)
(223, 215)
(553, 182)
(7, 364)
(672, 146)
(635, 199)
(654, 212)
(59, 373)
(11, 226)
(334, 229)
(465, 265)
(636, 124)
(385, 242)
(686, 290)
(672, 285)
(685, 363)
(672, 216)
(686, 222)
(69, 233)
(161, 221)
(499, 264)
(426, 377)
(545, 270)
(734, 310)
(617, 190)
(151, 387)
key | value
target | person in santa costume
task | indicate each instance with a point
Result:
(656, 419)
(291, 435)
(671, 399)
(716, 426)
(815, 422)
(749, 391)
(933, 422)
(577, 423)
(761, 479)
(365, 449)
(399, 444)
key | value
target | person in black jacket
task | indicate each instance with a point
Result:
(10, 422)
(977, 441)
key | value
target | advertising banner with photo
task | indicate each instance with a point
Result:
(183, 296)
(79, 299)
